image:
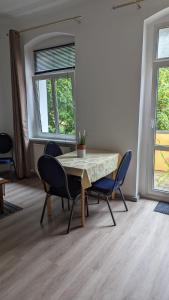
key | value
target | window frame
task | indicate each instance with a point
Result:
(157, 63)
(53, 75)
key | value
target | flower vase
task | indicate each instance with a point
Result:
(81, 151)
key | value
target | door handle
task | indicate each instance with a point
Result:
(152, 123)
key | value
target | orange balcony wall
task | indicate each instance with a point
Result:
(162, 157)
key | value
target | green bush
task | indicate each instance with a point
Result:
(63, 110)
(162, 107)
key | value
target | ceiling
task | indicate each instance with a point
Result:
(15, 8)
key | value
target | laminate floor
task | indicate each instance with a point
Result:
(98, 262)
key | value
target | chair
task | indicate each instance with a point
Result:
(6, 146)
(107, 186)
(57, 183)
(52, 149)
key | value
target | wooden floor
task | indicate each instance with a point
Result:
(99, 262)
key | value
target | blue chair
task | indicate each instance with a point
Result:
(57, 183)
(6, 147)
(52, 149)
(107, 186)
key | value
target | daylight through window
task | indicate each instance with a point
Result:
(54, 91)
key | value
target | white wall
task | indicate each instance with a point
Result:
(108, 73)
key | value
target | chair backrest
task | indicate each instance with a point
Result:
(52, 149)
(5, 143)
(52, 173)
(123, 167)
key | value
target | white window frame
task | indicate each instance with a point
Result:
(39, 134)
(149, 127)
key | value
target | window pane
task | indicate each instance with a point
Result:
(163, 43)
(53, 59)
(162, 138)
(161, 170)
(162, 106)
(65, 105)
(56, 105)
(46, 107)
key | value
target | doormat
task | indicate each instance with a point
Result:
(162, 207)
(9, 208)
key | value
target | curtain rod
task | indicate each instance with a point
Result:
(76, 18)
(136, 2)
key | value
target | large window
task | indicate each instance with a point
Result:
(160, 111)
(54, 92)
(161, 72)
(153, 151)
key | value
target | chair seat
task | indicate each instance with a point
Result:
(74, 188)
(105, 185)
(6, 160)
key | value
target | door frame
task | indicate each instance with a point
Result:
(153, 145)
(149, 88)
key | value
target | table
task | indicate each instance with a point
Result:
(95, 165)
(2, 182)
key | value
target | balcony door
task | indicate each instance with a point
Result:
(160, 125)
(159, 157)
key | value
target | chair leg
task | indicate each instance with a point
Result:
(68, 203)
(98, 198)
(44, 207)
(108, 203)
(122, 196)
(70, 217)
(14, 165)
(63, 207)
(3, 187)
(87, 205)
(10, 169)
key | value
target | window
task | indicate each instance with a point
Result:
(160, 112)
(163, 43)
(54, 92)
(161, 74)
(54, 59)
(154, 111)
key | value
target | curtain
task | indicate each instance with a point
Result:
(21, 139)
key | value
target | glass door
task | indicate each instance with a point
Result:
(161, 132)
(154, 147)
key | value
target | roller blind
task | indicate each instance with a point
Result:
(54, 59)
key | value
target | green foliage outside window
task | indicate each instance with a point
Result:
(162, 109)
(162, 115)
(65, 106)
(61, 116)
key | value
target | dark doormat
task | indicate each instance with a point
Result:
(9, 208)
(162, 207)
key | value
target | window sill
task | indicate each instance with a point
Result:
(60, 142)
